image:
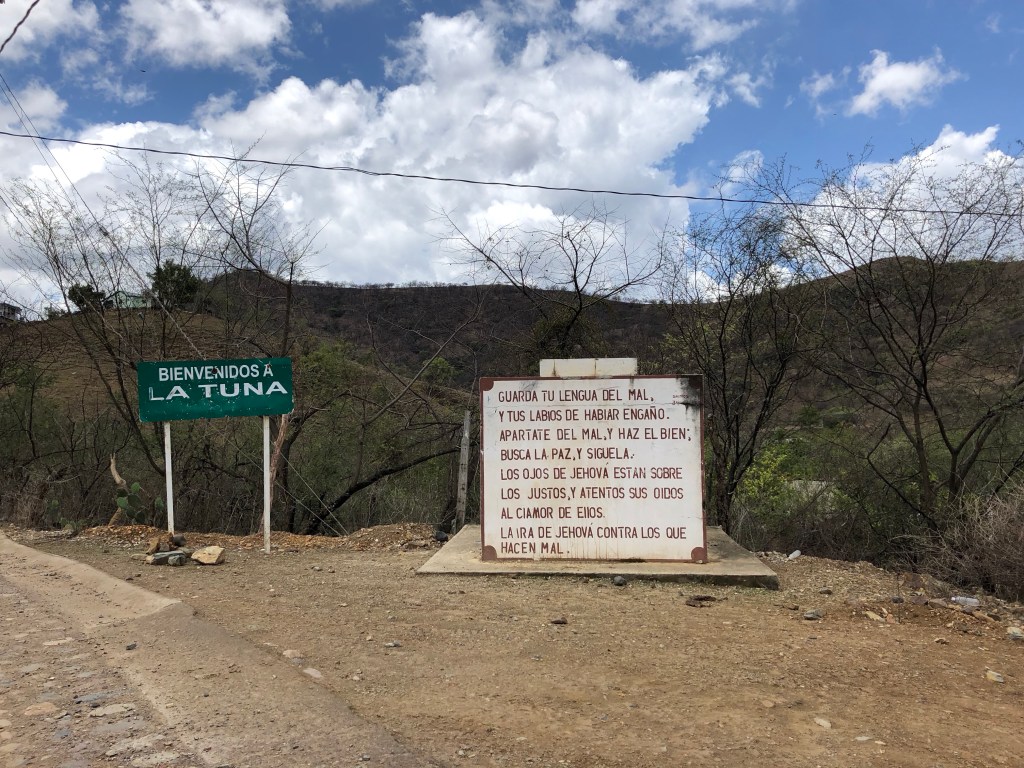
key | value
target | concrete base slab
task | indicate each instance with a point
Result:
(728, 564)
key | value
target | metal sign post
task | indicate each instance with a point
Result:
(460, 503)
(266, 484)
(172, 390)
(168, 476)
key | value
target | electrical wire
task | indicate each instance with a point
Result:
(721, 199)
(26, 122)
(18, 25)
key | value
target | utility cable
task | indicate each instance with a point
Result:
(509, 184)
(18, 25)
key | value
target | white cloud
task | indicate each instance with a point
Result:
(18, 159)
(817, 85)
(945, 157)
(328, 5)
(471, 104)
(45, 108)
(599, 15)
(705, 22)
(746, 86)
(40, 102)
(954, 149)
(48, 21)
(743, 166)
(956, 171)
(539, 115)
(90, 68)
(194, 33)
(451, 49)
(901, 84)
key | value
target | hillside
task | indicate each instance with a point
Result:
(407, 324)
(486, 330)
(379, 336)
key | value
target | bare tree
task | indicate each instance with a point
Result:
(160, 220)
(349, 434)
(241, 204)
(913, 257)
(112, 249)
(738, 312)
(564, 271)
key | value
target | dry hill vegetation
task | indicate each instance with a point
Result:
(864, 383)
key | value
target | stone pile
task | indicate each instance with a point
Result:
(171, 550)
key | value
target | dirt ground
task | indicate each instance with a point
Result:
(475, 671)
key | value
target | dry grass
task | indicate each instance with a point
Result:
(986, 545)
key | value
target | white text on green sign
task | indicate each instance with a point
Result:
(196, 389)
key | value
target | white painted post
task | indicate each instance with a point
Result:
(460, 503)
(266, 484)
(168, 476)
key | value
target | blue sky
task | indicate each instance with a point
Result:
(656, 95)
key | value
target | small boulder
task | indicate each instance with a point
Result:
(212, 555)
(112, 710)
(177, 540)
(619, 581)
(157, 544)
(176, 559)
(37, 710)
(1015, 633)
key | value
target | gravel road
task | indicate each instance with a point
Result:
(95, 671)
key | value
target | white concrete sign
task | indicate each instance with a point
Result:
(592, 469)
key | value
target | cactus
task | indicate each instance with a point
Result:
(129, 501)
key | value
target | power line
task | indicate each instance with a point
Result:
(507, 184)
(18, 25)
(26, 122)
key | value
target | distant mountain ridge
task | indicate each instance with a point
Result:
(407, 324)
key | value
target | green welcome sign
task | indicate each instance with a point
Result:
(170, 390)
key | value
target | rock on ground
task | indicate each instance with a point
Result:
(212, 555)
